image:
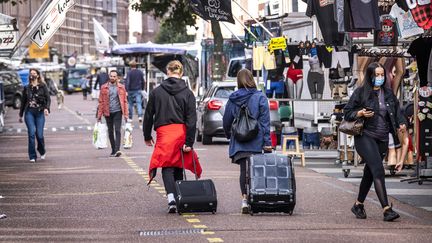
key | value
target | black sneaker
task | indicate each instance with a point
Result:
(172, 208)
(390, 215)
(118, 154)
(359, 211)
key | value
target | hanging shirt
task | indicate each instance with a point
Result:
(388, 35)
(421, 48)
(406, 24)
(324, 12)
(365, 14)
(421, 12)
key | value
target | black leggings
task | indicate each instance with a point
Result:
(372, 152)
(243, 164)
(170, 175)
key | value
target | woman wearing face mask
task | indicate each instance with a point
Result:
(35, 106)
(379, 108)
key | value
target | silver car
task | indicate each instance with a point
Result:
(211, 109)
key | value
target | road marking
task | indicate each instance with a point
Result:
(84, 193)
(54, 129)
(199, 226)
(19, 130)
(161, 190)
(411, 192)
(76, 115)
(215, 240)
(89, 128)
(334, 170)
(358, 180)
(427, 208)
(193, 220)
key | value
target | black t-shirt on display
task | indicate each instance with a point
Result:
(324, 56)
(294, 54)
(388, 35)
(365, 14)
(324, 11)
(421, 48)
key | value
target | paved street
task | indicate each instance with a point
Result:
(80, 194)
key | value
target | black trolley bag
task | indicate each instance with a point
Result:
(271, 183)
(195, 195)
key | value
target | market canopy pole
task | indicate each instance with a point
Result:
(246, 28)
(233, 33)
(265, 29)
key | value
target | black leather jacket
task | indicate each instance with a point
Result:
(44, 98)
(392, 103)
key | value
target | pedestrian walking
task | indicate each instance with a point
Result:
(134, 86)
(35, 106)
(257, 104)
(379, 107)
(171, 111)
(101, 78)
(113, 106)
(84, 83)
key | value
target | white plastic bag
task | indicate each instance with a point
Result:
(100, 135)
(127, 141)
(95, 94)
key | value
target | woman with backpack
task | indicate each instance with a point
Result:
(254, 102)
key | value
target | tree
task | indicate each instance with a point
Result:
(168, 34)
(177, 14)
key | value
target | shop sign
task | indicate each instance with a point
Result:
(52, 18)
(278, 43)
(36, 52)
(217, 10)
(8, 39)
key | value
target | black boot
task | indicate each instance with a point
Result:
(390, 215)
(359, 211)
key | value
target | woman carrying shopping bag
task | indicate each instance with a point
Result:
(257, 105)
(379, 108)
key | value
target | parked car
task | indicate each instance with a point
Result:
(211, 108)
(2, 105)
(13, 88)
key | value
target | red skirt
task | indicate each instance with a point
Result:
(169, 140)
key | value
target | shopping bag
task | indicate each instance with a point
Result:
(95, 94)
(127, 141)
(100, 136)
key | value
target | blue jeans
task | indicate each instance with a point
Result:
(35, 122)
(135, 95)
(311, 140)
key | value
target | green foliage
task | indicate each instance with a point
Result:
(169, 34)
(13, 2)
(175, 13)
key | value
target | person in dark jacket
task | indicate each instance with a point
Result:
(379, 107)
(101, 78)
(35, 106)
(171, 111)
(257, 104)
(134, 86)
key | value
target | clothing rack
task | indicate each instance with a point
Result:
(382, 53)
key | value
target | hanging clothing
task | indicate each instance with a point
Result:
(258, 57)
(269, 60)
(388, 35)
(406, 25)
(421, 48)
(365, 14)
(421, 12)
(324, 12)
(295, 56)
(341, 58)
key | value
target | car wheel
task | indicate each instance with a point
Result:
(206, 139)
(198, 136)
(17, 102)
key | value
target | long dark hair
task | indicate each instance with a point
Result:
(368, 82)
(39, 79)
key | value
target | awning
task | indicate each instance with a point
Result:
(145, 48)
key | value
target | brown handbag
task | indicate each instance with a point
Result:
(352, 127)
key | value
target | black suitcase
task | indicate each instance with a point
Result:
(196, 195)
(271, 184)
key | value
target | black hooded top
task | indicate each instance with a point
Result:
(171, 103)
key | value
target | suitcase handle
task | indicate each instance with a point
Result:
(193, 161)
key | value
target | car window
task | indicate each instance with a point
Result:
(224, 92)
(7, 80)
(235, 67)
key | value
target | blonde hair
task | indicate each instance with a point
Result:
(175, 67)
(245, 79)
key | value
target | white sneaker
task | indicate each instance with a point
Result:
(43, 156)
(140, 119)
(244, 207)
(32, 161)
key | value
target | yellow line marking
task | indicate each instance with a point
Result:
(200, 226)
(193, 220)
(207, 233)
(159, 188)
(215, 240)
(187, 215)
(163, 192)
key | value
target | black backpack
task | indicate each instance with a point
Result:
(244, 127)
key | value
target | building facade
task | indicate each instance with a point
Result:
(76, 34)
